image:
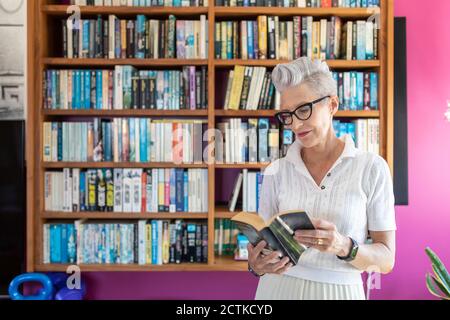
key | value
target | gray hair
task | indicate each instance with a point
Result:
(315, 73)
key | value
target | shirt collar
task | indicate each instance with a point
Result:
(293, 153)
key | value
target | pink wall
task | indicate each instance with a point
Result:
(425, 222)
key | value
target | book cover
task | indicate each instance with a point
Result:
(278, 232)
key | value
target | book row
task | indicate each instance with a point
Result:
(250, 88)
(125, 87)
(246, 191)
(272, 37)
(225, 236)
(254, 140)
(153, 242)
(365, 133)
(126, 190)
(141, 38)
(357, 90)
(126, 140)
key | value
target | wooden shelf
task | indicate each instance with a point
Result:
(244, 113)
(223, 212)
(128, 267)
(61, 10)
(127, 113)
(221, 263)
(227, 263)
(333, 64)
(192, 113)
(231, 12)
(220, 212)
(97, 62)
(271, 113)
(357, 114)
(93, 62)
(123, 215)
(241, 165)
(93, 165)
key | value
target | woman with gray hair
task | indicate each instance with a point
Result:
(347, 192)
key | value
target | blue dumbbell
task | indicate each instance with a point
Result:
(45, 293)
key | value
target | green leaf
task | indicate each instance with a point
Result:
(432, 288)
(443, 273)
(442, 285)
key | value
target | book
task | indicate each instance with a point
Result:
(278, 232)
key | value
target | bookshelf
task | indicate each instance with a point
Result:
(43, 16)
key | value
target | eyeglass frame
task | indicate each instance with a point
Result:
(293, 113)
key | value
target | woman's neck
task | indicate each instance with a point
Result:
(328, 149)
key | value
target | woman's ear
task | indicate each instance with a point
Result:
(334, 105)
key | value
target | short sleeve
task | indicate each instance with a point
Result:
(381, 201)
(268, 198)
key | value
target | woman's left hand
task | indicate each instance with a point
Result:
(325, 238)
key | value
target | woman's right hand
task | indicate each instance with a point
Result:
(271, 263)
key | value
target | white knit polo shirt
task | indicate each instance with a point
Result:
(356, 195)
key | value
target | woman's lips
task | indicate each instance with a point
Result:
(303, 134)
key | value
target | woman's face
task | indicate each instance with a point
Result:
(314, 130)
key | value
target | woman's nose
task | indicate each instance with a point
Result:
(296, 123)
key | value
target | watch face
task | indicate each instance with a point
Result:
(354, 250)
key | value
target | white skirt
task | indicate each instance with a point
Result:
(283, 287)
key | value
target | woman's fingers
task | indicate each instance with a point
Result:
(323, 224)
(270, 263)
(274, 267)
(313, 233)
(285, 268)
(254, 251)
(313, 241)
(267, 259)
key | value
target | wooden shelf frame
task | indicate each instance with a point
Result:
(42, 15)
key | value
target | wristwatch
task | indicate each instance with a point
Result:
(353, 252)
(254, 272)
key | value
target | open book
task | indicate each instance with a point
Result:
(278, 232)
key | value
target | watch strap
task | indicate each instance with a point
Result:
(352, 253)
(254, 272)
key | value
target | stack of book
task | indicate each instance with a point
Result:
(268, 37)
(357, 90)
(365, 132)
(225, 235)
(250, 88)
(142, 38)
(153, 242)
(125, 87)
(127, 190)
(253, 141)
(246, 191)
(125, 139)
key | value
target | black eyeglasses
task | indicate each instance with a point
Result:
(302, 112)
